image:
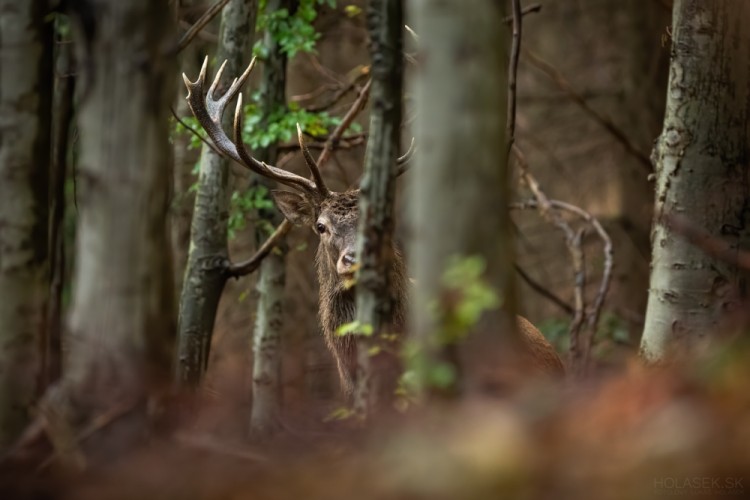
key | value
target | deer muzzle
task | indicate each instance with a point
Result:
(346, 262)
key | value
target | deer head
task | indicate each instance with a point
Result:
(334, 218)
(333, 215)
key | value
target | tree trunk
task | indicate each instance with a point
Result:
(120, 345)
(267, 390)
(701, 161)
(375, 302)
(62, 115)
(205, 274)
(25, 106)
(185, 159)
(459, 192)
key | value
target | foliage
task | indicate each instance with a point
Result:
(354, 328)
(293, 32)
(556, 331)
(352, 10)
(245, 203)
(464, 297)
(612, 332)
(280, 125)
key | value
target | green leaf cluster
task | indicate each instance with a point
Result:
(293, 32)
(465, 296)
(280, 125)
(243, 204)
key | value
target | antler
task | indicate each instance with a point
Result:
(209, 110)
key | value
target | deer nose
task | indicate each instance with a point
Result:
(349, 259)
(346, 261)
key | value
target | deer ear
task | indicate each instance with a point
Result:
(295, 207)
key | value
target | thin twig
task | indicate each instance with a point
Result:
(601, 294)
(529, 9)
(246, 267)
(513, 71)
(564, 85)
(363, 72)
(544, 292)
(196, 133)
(594, 312)
(343, 144)
(203, 34)
(198, 26)
(572, 241)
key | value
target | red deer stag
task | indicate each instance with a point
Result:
(334, 217)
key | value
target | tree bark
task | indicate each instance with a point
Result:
(62, 121)
(267, 390)
(185, 159)
(205, 274)
(375, 302)
(459, 192)
(120, 345)
(701, 162)
(25, 106)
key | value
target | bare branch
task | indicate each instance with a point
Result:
(594, 313)
(250, 265)
(515, 50)
(564, 85)
(544, 292)
(529, 9)
(196, 28)
(195, 132)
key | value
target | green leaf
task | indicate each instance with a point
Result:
(352, 10)
(442, 375)
(354, 328)
(341, 413)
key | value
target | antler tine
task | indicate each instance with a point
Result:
(403, 160)
(311, 164)
(208, 112)
(217, 80)
(262, 168)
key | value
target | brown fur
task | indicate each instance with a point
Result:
(337, 302)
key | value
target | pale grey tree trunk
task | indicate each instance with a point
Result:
(205, 274)
(25, 106)
(375, 302)
(267, 390)
(459, 189)
(120, 345)
(701, 161)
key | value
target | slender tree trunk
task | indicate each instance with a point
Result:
(185, 159)
(701, 161)
(25, 105)
(267, 390)
(375, 302)
(205, 275)
(64, 92)
(122, 321)
(459, 192)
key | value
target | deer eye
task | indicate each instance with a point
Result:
(320, 227)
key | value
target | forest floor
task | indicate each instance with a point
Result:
(637, 434)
